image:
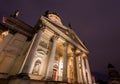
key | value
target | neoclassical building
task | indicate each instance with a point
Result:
(48, 53)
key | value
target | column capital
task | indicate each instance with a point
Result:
(73, 49)
(84, 55)
(40, 26)
(54, 37)
(65, 44)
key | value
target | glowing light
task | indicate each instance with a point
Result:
(4, 34)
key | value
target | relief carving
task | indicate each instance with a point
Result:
(43, 44)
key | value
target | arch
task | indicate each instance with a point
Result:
(42, 63)
(36, 68)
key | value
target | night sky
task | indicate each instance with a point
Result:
(96, 22)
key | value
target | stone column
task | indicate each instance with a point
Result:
(31, 52)
(51, 58)
(84, 70)
(79, 69)
(82, 76)
(88, 71)
(75, 66)
(65, 62)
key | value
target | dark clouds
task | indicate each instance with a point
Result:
(97, 22)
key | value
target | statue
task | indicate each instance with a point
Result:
(36, 67)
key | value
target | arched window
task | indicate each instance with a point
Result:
(36, 67)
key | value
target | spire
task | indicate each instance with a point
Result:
(69, 25)
(46, 13)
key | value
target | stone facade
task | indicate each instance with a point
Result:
(49, 53)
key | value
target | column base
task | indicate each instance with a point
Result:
(23, 75)
(65, 80)
(48, 79)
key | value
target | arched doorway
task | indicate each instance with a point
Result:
(54, 73)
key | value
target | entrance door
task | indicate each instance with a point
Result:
(54, 74)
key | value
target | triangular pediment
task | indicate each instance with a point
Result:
(67, 31)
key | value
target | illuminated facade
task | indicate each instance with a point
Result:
(49, 53)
